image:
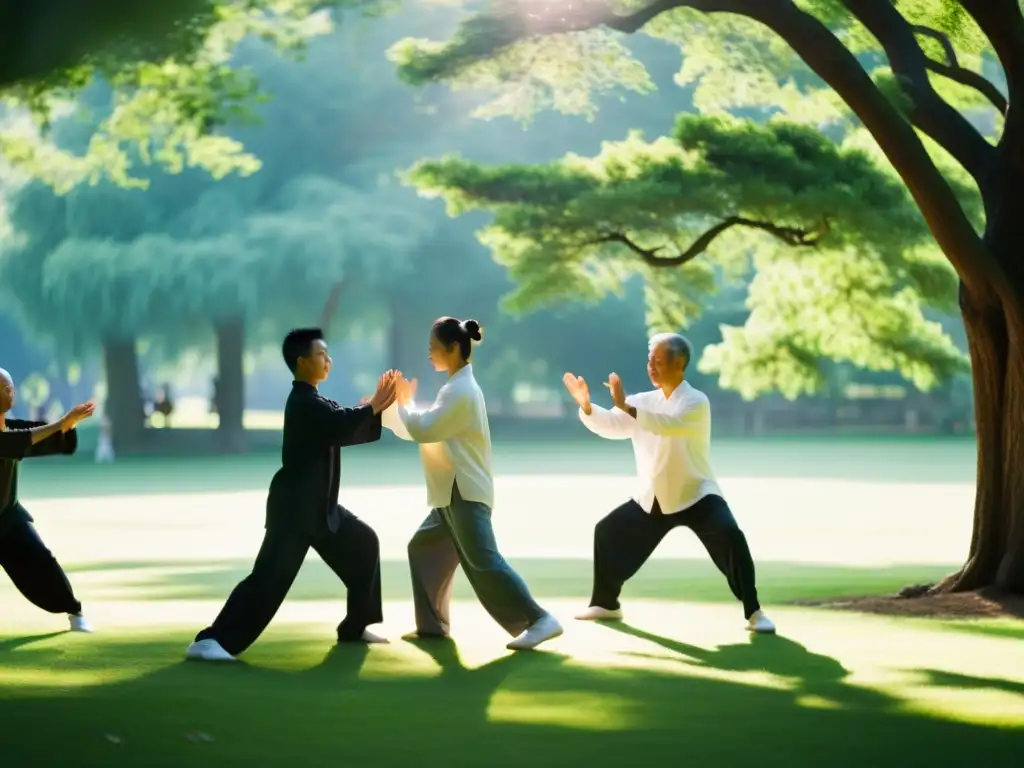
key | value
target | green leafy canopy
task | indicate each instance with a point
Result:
(843, 265)
(169, 92)
(804, 204)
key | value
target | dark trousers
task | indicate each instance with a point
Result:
(628, 536)
(352, 551)
(34, 570)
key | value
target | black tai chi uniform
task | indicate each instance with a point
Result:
(303, 512)
(23, 555)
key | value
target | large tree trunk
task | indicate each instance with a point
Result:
(231, 384)
(995, 336)
(331, 305)
(124, 406)
(406, 341)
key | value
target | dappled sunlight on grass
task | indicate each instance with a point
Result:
(993, 701)
(675, 679)
(566, 709)
(672, 677)
(802, 523)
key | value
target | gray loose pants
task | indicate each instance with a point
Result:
(462, 534)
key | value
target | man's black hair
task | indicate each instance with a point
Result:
(299, 343)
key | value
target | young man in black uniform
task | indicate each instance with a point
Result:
(303, 511)
(31, 566)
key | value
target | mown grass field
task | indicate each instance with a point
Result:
(153, 547)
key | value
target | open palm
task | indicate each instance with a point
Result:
(578, 389)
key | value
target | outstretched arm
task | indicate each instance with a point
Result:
(609, 424)
(327, 422)
(18, 443)
(450, 414)
(693, 416)
(391, 419)
(57, 444)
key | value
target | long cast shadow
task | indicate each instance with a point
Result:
(13, 643)
(945, 679)
(331, 713)
(814, 674)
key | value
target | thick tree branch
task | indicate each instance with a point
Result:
(1002, 22)
(823, 52)
(789, 235)
(928, 111)
(838, 67)
(331, 304)
(951, 69)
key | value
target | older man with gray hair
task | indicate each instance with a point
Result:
(670, 427)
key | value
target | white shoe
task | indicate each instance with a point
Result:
(77, 623)
(761, 624)
(207, 650)
(370, 637)
(597, 613)
(544, 629)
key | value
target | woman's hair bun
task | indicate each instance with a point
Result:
(473, 329)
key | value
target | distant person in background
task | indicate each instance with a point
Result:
(163, 404)
(105, 442)
(215, 395)
(455, 446)
(670, 427)
(23, 555)
(303, 511)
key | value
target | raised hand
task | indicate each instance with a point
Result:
(79, 413)
(406, 390)
(385, 394)
(578, 390)
(615, 387)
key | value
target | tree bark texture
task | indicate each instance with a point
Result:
(231, 390)
(124, 406)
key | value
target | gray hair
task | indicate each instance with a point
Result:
(675, 344)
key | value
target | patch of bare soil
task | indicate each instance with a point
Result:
(915, 601)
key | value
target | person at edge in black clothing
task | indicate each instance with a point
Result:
(303, 511)
(23, 555)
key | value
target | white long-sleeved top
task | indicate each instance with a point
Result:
(671, 444)
(454, 438)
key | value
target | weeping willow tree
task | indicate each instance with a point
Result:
(100, 269)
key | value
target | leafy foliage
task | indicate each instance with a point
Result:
(172, 86)
(842, 260)
(804, 204)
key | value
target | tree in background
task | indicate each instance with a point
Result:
(231, 278)
(331, 136)
(173, 83)
(913, 75)
(842, 262)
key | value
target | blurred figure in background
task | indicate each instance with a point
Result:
(105, 442)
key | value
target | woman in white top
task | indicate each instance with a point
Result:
(455, 446)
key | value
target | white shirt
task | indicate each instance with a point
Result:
(671, 443)
(454, 438)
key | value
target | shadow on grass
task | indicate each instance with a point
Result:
(970, 682)
(1012, 630)
(692, 580)
(810, 674)
(530, 708)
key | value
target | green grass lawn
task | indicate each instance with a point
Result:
(154, 547)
